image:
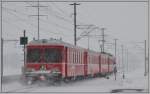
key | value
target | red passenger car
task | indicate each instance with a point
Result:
(54, 60)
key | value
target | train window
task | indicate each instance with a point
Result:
(52, 55)
(33, 55)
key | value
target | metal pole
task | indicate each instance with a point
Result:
(75, 30)
(38, 17)
(115, 57)
(24, 34)
(1, 62)
(148, 41)
(38, 21)
(123, 62)
(101, 48)
(103, 38)
(115, 47)
(145, 73)
(127, 61)
(75, 25)
(1, 49)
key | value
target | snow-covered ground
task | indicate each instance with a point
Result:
(12, 82)
(135, 80)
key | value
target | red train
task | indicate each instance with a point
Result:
(56, 60)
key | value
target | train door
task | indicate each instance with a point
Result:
(85, 64)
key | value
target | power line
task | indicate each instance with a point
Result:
(54, 13)
(145, 57)
(16, 15)
(16, 26)
(42, 15)
(24, 20)
(60, 17)
(57, 26)
(115, 54)
(86, 33)
(122, 47)
(115, 46)
(66, 15)
(58, 8)
(38, 16)
(103, 38)
(28, 22)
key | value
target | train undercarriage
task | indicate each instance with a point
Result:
(56, 78)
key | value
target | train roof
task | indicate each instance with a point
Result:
(58, 42)
(47, 42)
(52, 42)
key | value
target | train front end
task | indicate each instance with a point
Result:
(43, 62)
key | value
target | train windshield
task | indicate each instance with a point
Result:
(33, 55)
(52, 55)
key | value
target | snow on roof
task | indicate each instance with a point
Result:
(47, 42)
(52, 42)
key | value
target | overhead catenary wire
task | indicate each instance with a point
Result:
(53, 13)
(69, 18)
(63, 12)
(14, 11)
(59, 16)
(58, 8)
(47, 30)
(16, 26)
(53, 23)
